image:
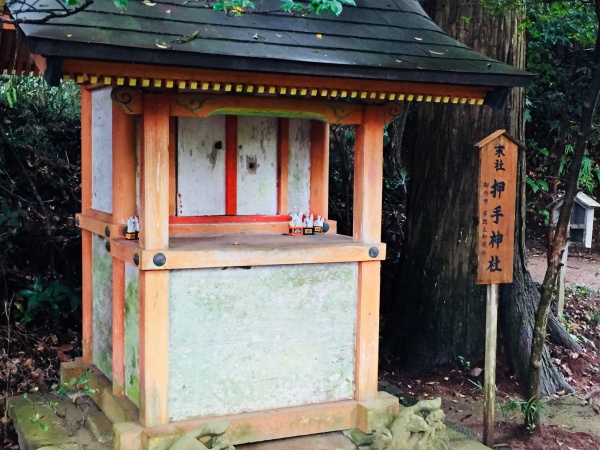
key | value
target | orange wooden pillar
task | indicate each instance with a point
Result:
(86, 236)
(319, 168)
(154, 285)
(283, 157)
(124, 193)
(368, 173)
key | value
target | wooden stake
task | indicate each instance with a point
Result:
(561, 281)
(489, 388)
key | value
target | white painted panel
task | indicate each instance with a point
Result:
(132, 368)
(102, 150)
(257, 185)
(102, 305)
(255, 339)
(201, 166)
(299, 165)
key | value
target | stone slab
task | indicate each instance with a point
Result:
(100, 426)
(328, 441)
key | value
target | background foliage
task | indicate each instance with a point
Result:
(39, 196)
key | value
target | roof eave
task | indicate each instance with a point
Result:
(103, 52)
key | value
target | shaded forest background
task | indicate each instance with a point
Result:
(39, 182)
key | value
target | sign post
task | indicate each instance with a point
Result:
(495, 249)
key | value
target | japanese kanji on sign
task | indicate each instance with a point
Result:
(497, 196)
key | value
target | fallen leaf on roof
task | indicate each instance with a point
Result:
(188, 37)
(319, 36)
(419, 39)
(436, 53)
(161, 44)
(148, 3)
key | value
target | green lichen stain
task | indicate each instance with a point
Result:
(102, 305)
(132, 378)
(264, 189)
(275, 336)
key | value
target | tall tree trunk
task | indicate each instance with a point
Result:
(440, 314)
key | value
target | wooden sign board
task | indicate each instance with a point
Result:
(497, 198)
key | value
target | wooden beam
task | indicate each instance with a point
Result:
(254, 79)
(87, 308)
(243, 250)
(154, 287)
(283, 162)
(368, 177)
(124, 161)
(208, 104)
(231, 165)
(86, 149)
(269, 425)
(319, 168)
(118, 327)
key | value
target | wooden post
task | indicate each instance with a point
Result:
(154, 285)
(368, 177)
(283, 157)
(561, 280)
(319, 168)
(123, 160)
(124, 198)
(489, 387)
(87, 304)
(231, 165)
(368, 173)
(86, 236)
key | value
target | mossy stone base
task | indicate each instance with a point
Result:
(31, 434)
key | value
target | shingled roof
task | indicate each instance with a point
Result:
(390, 40)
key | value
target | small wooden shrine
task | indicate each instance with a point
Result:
(212, 129)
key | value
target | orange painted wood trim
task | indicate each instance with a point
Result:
(215, 254)
(274, 424)
(86, 149)
(319, 168)
(106, 217)
(118, 327)
(125, 251)
(154, 347)
(124, 161)
(283, 163)
(173, 166)
(87, 294)
(368, 177)
(208, 104)
(73, 66)
(231, 165)
(98, 226)
(154, 185)
(367, 331)
(227, 219)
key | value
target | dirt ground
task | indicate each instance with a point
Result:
(583, 268)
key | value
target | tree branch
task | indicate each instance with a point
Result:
(49, 13)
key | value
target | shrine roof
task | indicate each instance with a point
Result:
(392, 40)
